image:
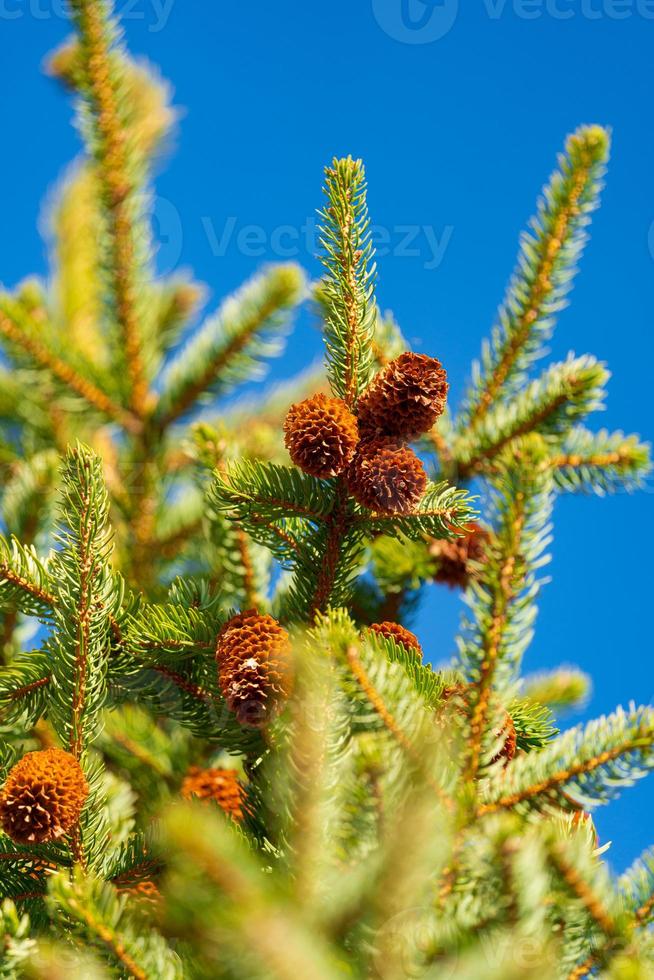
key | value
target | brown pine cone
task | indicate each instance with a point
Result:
(454, 557)
(42, 797)
(398, 633)
(386, 477)
(221, 785)
(321, 435)
(405, 399)
(253, 657)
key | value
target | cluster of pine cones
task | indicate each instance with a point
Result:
(45, 792)
(325, 439)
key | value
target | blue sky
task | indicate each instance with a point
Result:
(458, 114)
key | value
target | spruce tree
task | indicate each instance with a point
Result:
(221, 751)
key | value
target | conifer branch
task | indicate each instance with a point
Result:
(270, 932)
(591, 764)
(87, 598)
(584, 968)
(442, 511)
(13, 330)
(564, 864)
(560, 690)
(22, 688)
(253, 491)
(104, 89)
(501, 599)
(377, 702)
(232, 345)
(347, 292)
(338, 526)
(636, 886)
(546, 266)
(24, 579)
(565, 393)
(100, 917)
(601, 462)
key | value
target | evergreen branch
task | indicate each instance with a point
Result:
(337, 530)
(560, 689)
(442, 511)
(427, 683)
(388, 341)
(547, 264)
(78, 249)
(232, 345)
(584, 968)
(136, 860)
(77, 254)
(589, 763)
(636, 887)
(146, 112)
(87, 598)
(245, 916)
(17, 945)
(157, 630)
(377, 702)
(565, 393)
(14, 331)
(242, 565)
(28, 494)
(103, 87)
(602, 462)
(581, 889)
(533, 723)
(325, 566)
(22, 689)
(100, 917)
(501, 598)
(24, 580)
(347, 292)
(400, 694)
(252, 491)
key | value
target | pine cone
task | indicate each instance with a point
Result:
(221, 785)
(454, 557)
(253, 657)
(43, 797)
(321, 435)
(405, 399)
(509, 748)
(398, 633)
(386, 477)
